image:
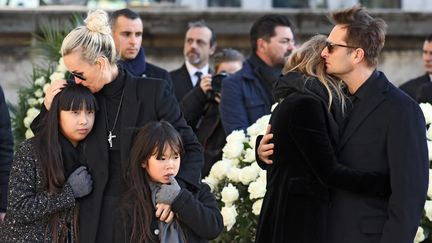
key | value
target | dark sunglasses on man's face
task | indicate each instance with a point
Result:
(330, 46)
(76, 75)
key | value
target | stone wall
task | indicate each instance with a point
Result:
(164, 31)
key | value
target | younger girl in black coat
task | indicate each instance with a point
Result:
(153, 192)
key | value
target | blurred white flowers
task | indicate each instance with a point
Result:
(239, 184)
(425, 227)
(40, 86)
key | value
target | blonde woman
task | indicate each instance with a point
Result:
(305, 128)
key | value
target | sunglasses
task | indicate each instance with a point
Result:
(76, 75)
(330, 46)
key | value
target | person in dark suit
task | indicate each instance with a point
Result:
(305, 125)
(126, 103)
(6, 153)
(201, 110)
(199, 45)
(420, 88)
(247, 94)
(127, 30)
(374, 138)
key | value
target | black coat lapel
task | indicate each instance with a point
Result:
(374, 96)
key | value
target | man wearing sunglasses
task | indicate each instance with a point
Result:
(420, 88)
(384, 132)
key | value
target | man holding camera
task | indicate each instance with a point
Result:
(201, 106)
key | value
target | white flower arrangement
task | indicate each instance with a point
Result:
(239, 184)
(40, 86)
(425, 228)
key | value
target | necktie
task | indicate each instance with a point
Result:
(199, 75)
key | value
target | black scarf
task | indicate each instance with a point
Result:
(136, 66)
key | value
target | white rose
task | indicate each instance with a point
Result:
(220, 169)
(248, 174)
(233, 174)
(61, 67)
(249, 155)
(29, 134)
(254, 129)
(32, 102)
(257, 189)
(233, 150)
(229, 194)
(263, 123)
(229, 215)
(428, 209)
(56, 76)
(274, 106)
(429, 191)
(252, 141)
(212, 182)
(27, 121)
(262, 175)
(427, 112)
(32, 112)
(40, 81)
(429, 133)
(236, 136)
(40, 100)
(256, 207)
(39, 93)
(420, 236)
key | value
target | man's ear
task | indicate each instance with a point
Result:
(261, 44)
(358, 55)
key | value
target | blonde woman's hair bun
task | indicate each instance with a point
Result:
(98, 21)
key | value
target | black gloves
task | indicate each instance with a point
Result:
(81, 182)
(168, 192)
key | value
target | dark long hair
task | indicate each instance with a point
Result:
(73, 97)
(152, 139)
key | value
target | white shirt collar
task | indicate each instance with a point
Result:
(192, 70)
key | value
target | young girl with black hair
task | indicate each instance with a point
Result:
(47, 173)
(153, 192)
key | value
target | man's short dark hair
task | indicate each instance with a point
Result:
(264, 27)
(125, 12)
(363, 31)
(227, 55)
(202, 24)
(428, 38)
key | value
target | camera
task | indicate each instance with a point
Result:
(216, 84)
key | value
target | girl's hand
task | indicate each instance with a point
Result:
(52, 90)
(164, 213)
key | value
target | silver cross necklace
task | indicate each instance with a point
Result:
(110, 132)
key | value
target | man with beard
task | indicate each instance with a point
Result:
(199, 45)
(247, 95)
(127, 30)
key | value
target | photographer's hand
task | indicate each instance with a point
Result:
(205, 83)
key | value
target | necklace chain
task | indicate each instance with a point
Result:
(110, 135)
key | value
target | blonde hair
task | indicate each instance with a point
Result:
(307, 60)
(93, 40)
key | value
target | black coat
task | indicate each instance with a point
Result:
(420, 88)
(203, 116)
(145, 99)
(182, 82)
(198, 214)
(386, 132)
(6, 150)
(305, 167)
